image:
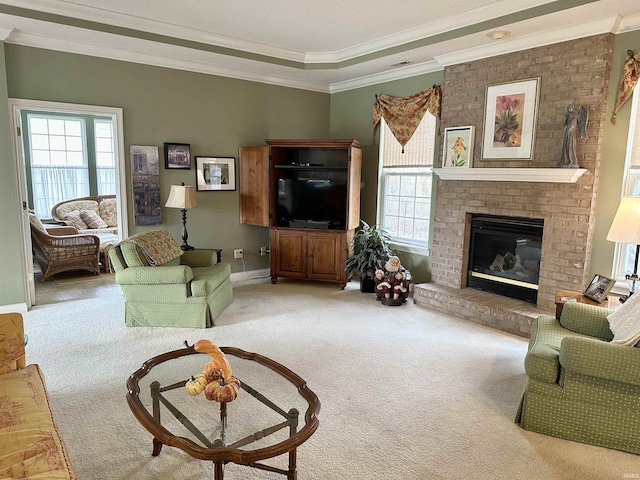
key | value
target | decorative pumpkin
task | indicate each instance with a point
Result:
(196, 384)
(218, 360)
(222, 390)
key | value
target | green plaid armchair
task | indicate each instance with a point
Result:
(579, 386)
(189, 291)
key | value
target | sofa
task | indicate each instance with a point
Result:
(30, 444)
(166, 287)
(581, 385)
(96, 215)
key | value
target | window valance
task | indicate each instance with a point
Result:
(403, 114)
(630, 76)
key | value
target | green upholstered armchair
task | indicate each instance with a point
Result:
(189, 291)
(579, 386)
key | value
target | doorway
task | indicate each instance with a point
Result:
(105, 117)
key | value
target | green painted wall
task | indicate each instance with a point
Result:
(351, 114)
(216, 115)
(614, 151)
(11, 275)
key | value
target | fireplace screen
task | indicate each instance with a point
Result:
(504, 255)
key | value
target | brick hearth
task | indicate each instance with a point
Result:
(570, 71)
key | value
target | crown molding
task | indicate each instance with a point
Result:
(4, 33)
(376, 78)
(106, 17)
(470, 17)
(466, 18)
(539, 39)
(52, 43)
(629, 24)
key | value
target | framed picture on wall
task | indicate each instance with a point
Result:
(215, 173)
(458, 147)
(145, 176)
(510, 120)
(598, 288)
(177, 156)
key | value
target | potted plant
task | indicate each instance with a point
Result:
(370, 249)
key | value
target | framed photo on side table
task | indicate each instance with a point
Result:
(215, 173)
(510, 120)
(598, 288)
(177, 156)
(458, 147)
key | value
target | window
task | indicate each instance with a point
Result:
(625, 254)
(105, 157)
(405, 185)
(58, 161)
(67, 156)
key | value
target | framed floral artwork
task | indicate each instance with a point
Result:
(458, 147)
(510, 120)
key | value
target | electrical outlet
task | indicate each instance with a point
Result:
(238, 253)
(263, 251)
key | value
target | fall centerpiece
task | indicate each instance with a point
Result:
(216, 379)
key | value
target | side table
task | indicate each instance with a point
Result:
(612, 302)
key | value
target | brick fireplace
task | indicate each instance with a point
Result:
(575, 71)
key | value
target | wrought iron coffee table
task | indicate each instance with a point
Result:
(261, 423)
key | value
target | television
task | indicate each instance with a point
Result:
(312, 203)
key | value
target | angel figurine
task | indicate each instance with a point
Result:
(576, 116)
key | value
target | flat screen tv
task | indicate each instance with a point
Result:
(312, 203)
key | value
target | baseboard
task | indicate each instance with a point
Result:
(16, 307)
(263, 273)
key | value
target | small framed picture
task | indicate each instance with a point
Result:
(215, 173)
(177, 156)
(458, 147)
(598, 288)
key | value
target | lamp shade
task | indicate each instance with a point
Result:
(625, 227)
(182, 196)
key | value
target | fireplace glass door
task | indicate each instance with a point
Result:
(504, 255)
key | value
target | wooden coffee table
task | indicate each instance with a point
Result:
(262, 422)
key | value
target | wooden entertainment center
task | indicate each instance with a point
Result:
(308, 193)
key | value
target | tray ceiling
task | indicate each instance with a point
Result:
(327, 45)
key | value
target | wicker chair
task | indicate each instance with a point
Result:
(62, 249)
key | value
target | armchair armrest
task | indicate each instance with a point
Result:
(58, 231)
(586, 319)
(12, 355)
(177, 274)
(200, 258)
(597, 358)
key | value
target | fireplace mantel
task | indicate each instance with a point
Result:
(544, 175)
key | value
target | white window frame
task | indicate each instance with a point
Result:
(631, 176)
(400, 244)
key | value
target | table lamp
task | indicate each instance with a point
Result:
(625, 228)
(183, 197)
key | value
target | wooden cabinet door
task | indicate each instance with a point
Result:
(325, 256)
(254, 185)
(288, 253)
(353, 192)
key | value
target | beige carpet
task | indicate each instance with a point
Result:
(406, 393)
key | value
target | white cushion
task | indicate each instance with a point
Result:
(624, 323)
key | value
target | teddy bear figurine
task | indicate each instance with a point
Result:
(392, 282)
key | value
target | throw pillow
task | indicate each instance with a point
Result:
(624, 323)
(73, 219)
(36, 222)
(108, 211)
(92, 219)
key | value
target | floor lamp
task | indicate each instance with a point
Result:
(625, 228)
(183, 197)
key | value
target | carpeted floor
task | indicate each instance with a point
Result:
(406, 393)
